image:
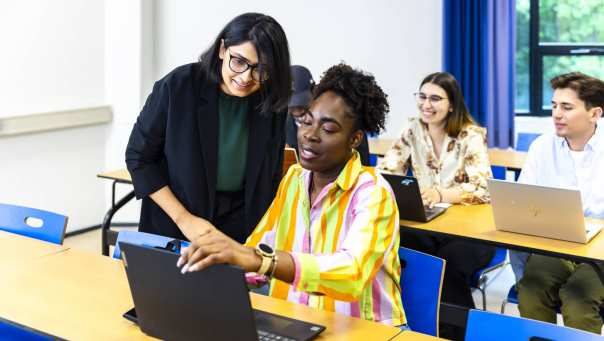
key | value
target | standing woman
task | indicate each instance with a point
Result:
(208, 145)
(447, 152)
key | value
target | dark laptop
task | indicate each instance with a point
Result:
(409, 199)
(212, 304)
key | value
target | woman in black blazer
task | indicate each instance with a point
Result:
(207, 147)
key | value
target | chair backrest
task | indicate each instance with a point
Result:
(12, 331)
(142, 238)
(498, 172)
(34, 223)
(484, 325)
(289, 158)
(525, 140)
(421, 283)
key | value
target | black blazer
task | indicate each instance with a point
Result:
(174, 142)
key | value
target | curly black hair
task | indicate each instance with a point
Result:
(361, 93)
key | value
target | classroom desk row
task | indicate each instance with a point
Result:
(476, 223)
(508, 158)
(78, 295)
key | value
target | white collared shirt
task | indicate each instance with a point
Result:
(550, 162)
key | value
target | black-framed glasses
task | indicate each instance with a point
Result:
(240, 65)
(421, 98)
(303, 117)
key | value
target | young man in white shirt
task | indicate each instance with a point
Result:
(573, 157)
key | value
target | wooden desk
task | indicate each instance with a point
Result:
(379, 146)
(476, 222)
(508, 158)
(74, 295)
(16, 249)
(82, 296)
(108, 236)
(120, 175)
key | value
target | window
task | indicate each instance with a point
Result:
(555, 37)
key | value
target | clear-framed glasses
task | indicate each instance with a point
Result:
(240, 65)
(421, 98)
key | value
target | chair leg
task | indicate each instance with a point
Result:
(483, 296)
(503, 304)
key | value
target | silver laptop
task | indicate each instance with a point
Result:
(540, 211)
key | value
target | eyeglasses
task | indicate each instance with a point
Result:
(301, 117)
(421, 98)
(239, 65)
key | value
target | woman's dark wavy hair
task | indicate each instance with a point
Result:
(361, 93)
(270, 42)
(460, 117)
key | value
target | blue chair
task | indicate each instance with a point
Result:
(525, 140)
(33, 223)
(512, 297)
(483, 325)
(523, 143)
(146, 239)
(421, 284)
(12, 331)
(480, 278)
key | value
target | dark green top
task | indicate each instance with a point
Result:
(233, 131)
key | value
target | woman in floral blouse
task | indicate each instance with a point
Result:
(447, 153)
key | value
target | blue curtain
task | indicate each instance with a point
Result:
(479, 47)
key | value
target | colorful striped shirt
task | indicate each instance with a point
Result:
(345, 247)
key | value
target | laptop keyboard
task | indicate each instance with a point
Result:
(266, 336)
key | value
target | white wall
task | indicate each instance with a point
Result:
(526, 124)
(53, 59)
(52, 55)
(128, 77)
(65, 54)
(68, 53)
(398, 41)
(56, 171)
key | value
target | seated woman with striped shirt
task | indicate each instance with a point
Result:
(333, 224)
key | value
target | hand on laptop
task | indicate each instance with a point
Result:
(214, 247)
(430, 196)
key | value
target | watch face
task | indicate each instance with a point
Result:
(265, 248)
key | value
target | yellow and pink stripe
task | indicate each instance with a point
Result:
(344, 247)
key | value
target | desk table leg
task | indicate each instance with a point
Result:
(453, 314)
(108, 237)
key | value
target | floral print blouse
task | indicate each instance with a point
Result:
(463, 163)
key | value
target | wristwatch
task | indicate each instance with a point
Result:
(268, 254)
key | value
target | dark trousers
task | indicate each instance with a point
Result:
(463, 260)
(575, 288)
(229, 216)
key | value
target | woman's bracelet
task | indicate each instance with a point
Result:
(271, 271)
